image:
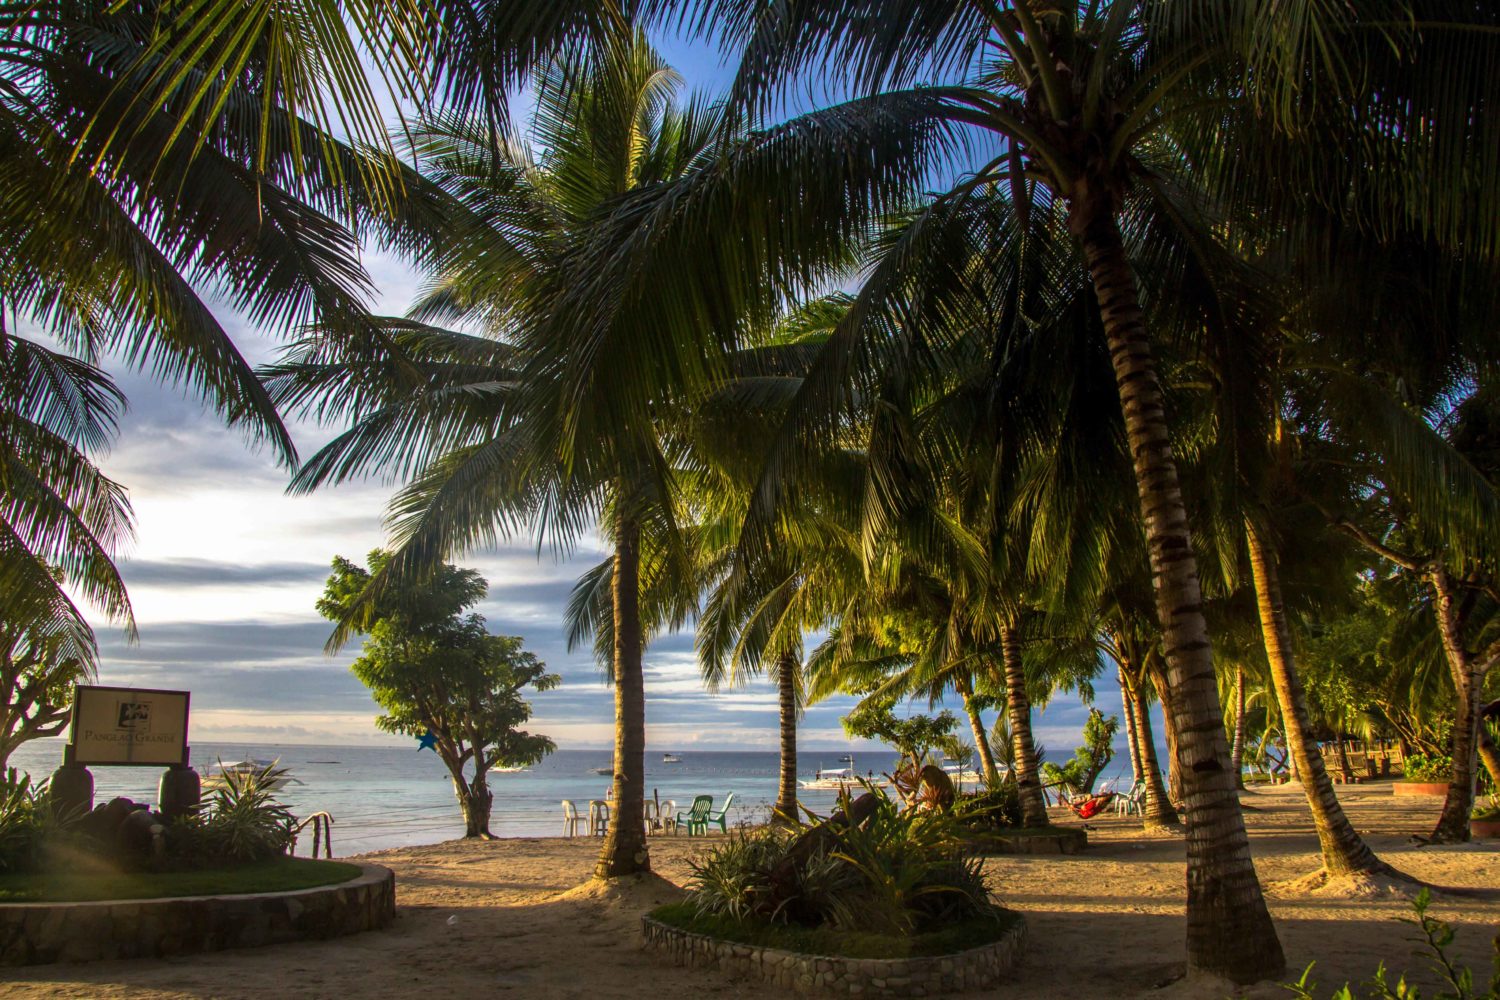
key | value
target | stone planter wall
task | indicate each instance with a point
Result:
(39, 933)
(821, 975)
(1485, 828)
(1064, 840)
(1419, 788)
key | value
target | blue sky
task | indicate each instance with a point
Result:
(226, 569)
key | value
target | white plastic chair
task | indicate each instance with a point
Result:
(1131, 804)
(570, 819)
(598, 817)
(669, 816)
(653, 818)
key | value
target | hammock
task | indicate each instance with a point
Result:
(1089, 806)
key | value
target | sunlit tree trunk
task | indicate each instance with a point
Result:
(1344, 851)
(981, 738)
(1128, 709)
(1229, 929)
(1468, 681)
(1157, 811)
(786, 691)
(1158, 677)
(1237, 749)
(476, 800)
(624, 851)
(1018, 707)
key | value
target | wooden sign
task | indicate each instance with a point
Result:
(128, 726)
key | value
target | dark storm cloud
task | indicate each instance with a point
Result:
(206, 572)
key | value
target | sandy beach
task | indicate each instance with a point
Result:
(509, 918)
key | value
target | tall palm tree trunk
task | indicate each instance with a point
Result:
(624, 851)
(1158, 677)
(1229, 929)
(1237, 749)
(786, 693)
(981, 739)
(1344, 851)
(1157, 811)
(1018, 707)
(1128, 709)
(1453, 822)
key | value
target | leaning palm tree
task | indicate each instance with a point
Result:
(561, 416)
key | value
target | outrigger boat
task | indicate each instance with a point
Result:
(838, 778)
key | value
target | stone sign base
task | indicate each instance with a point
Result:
(39, 933)
(824, 975)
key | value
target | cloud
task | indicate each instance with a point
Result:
(211, 573)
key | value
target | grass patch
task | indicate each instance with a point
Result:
(274, 875)
(843, 944)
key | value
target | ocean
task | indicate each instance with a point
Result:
(383, 797)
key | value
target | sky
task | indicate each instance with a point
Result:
(226, 568)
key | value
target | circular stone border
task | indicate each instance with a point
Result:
(1056, 840)
(824, 975)
(41, 933)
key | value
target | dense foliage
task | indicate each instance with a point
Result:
(897, 872)
(436, 671)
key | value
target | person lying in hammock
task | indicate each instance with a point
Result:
(1087, 806)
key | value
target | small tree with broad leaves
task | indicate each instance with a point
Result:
(436, 670)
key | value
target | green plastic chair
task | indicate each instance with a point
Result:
(720, 818)
(696, 818)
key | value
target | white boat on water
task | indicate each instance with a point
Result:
(836, 778)
(245, 768)
(670, 758)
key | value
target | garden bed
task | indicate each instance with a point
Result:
(1420, 788)
(1030, 840)
(972, 955)
(273, 875)
(36, 933)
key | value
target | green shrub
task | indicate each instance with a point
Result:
(1435, 768)
(894, 873)
(242, 821)
(996, 808)
(22, 820)
(1436, 936)
(1488, 811)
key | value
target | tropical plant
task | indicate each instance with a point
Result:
(242, 820)
(23, 818)
(1435, 938)
(1436, 768)
(1090, 759)
(37, 673)
(895, 872)
(439, 673)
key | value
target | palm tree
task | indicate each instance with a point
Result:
(562, 416)
(61, 519)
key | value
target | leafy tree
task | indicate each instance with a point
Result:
(435, 670)
(1089, 760)
(38, 669)
(914, 737)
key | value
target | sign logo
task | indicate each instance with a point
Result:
(134, 715)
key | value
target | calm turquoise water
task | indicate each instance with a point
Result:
(394, 796)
